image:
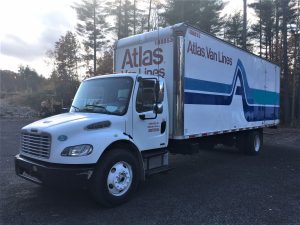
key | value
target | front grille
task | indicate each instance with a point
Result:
(38, 145)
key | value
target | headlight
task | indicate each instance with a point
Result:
(77, 150)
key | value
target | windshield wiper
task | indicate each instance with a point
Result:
(96, 106)
(76, 108)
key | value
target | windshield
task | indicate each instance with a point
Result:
(104, 95)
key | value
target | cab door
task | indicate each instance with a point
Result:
(150, 124)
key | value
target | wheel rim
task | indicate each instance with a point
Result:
(256, 143)
(119, 178)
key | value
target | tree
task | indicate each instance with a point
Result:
(123, 13)
(65, 74)
(233, 29)
(245, 25)
(149, 14)
(285, 62)
(26, 80)
(129, 18)
(134, 16)
(66, 53)
(10, 82)
(262, 31)
(204, 14)
(276, 29)
(297, 58)
(294, 61)
(30, 79)
(267, 31)
(105, 63)
(91, 27)
(154, 16)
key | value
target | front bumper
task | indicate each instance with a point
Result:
(53, 174)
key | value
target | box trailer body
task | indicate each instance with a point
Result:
(213, 86)
(176, 90)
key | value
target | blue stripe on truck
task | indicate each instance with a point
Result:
(258, 112)
(253, 96)
(252, 113)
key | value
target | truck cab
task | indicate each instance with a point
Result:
(115, 132)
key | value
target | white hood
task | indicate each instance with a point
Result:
(76, 119)
(58, 119)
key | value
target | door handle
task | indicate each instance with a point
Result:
(163, 126)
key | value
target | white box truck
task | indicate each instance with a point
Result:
(175, 90)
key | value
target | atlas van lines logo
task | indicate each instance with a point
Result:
(139, 58)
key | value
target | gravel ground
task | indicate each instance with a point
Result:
(212, 187)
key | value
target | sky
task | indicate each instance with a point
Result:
(29, 28)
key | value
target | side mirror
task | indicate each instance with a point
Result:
(159, 91)
(148, 115)
(158, 108)
(65, 110)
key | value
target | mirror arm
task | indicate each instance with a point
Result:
(143, 117)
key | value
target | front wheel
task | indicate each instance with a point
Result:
(115, 178)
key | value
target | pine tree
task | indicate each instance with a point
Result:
(65, 75)
(204, 14)
(244, 36)
(233, 29)
(30, 79)
(129, 18)
(294, 58)
(286, 105)
(262, 31)
(105, 63)
(91, 27)
(66, 57)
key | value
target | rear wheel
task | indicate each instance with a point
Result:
(115, 178)
(253, 142)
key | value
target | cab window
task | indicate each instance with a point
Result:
(146, 96)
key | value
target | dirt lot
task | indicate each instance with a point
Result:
(212, 187)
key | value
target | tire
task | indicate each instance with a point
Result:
(116, 178)
(253, 142)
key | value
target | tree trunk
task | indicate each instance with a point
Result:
(260, 29)
(266, 47)
(126, 19)
(294, 79)
(298, 56)
(277, 32)
(245, 25)
(286, 104)
(94, 36)
(134, 17)
(149, 14)
(271, 48)
(296, 68)
(119, 19)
